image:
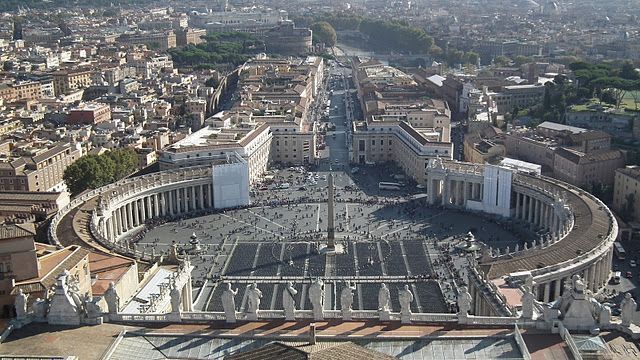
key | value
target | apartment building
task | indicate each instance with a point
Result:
(387, 138)
(520, 96)
(66, 81)
(186, 36)
(586, 169)
(211, 144)
(40, 171)
(575, 155)
(626, 191)
(158, 40)
(89, 114)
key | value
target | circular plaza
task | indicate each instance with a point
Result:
(418, 236)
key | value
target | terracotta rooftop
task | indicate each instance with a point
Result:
(107, 268)
(16, 231)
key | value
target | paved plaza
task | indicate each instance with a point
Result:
(394, 237)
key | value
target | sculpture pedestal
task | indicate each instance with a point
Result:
(289, 316)
(405, 318)
(384, 315)
(346, 315)
(318, 315)
(327, 250)
(230, 317)
(252, 316)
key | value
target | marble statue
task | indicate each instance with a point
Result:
(63, 308)
(628, 309)
(405, 296)
(316, 296)
(91, 307)
(39, 307)
(527, 300)
(21, 305)
(383, 298)
(229, 303)
(605, 316)
(253, 301)
(346, 299)
(289, 301)
(464, 301)
(176, 302)
(112, 299)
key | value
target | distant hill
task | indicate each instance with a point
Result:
(12, 5)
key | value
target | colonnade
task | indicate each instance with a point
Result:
(454, 191)
(541, 213)
(169, 201)
(595, 276)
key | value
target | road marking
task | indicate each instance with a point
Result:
(255, 226)
(395, 231)
(264, 218)
(346, 206)
(318, 219)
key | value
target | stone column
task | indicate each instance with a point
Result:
(149, 207)
(193, 197)
(518, 204)
(212, 198)
(171, 210)
(136, 214)
(121, 220)
(556, 292)
(116, 223)
(156, 205)
(129, 216)
(202, 206)
(591, 277)
(547, 288)
(430, 189)
(465, 187)
(536, 208)
(183, 200)
(164, 203)
(445, 191)
(530, 212)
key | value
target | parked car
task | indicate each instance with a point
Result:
(632, 263)
(629, 274)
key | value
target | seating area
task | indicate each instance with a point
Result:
(301, 256)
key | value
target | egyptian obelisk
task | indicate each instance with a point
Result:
(331, 242)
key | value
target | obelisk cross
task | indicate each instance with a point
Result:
(331, 243)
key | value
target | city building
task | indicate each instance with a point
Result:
(578, 156)
(42, 170)
(20, 206)
(388, 138)
(626, 197)
(187, 35)
(89, 114)
(286, 39)
(156, 40)
(66, 81)
(520, 96)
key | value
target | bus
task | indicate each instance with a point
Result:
(389, 186)
(619, 251)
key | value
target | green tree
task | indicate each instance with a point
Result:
(455, 57)
(628, 71)
(471, 57)
(521, 60)
(126, 162)
(324, 33)
(502, 60)
(93, 171)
